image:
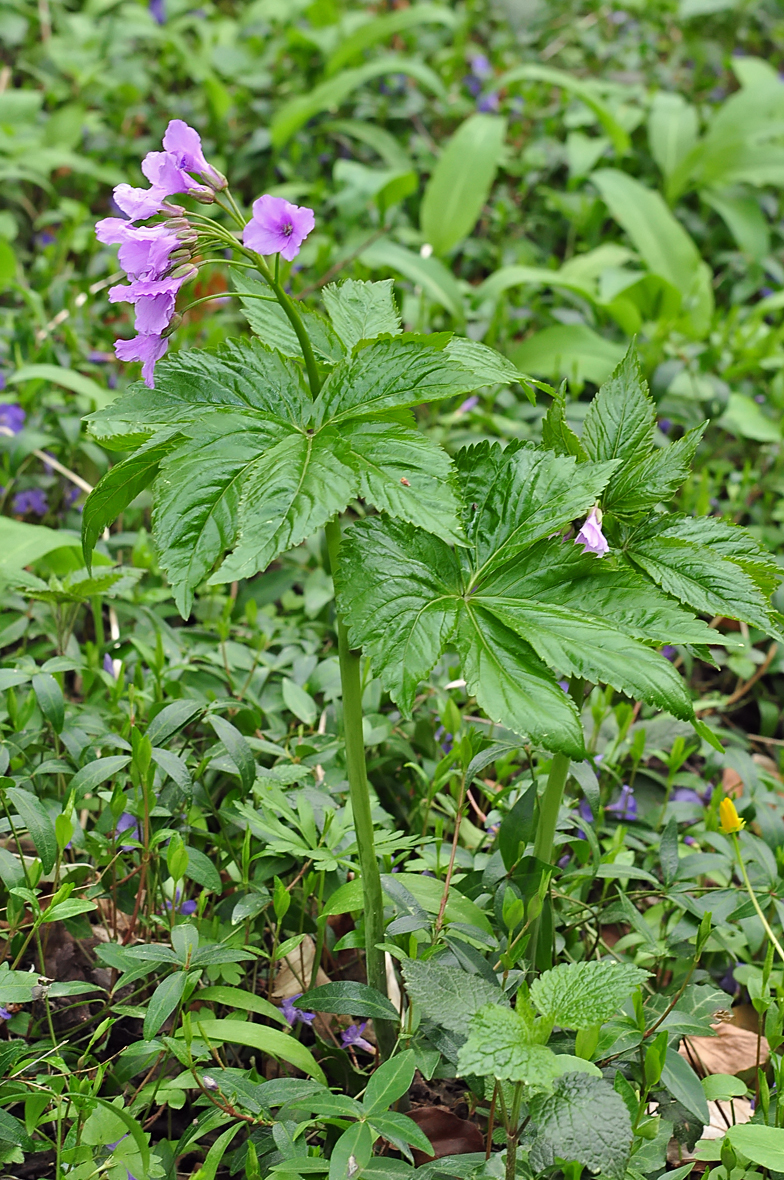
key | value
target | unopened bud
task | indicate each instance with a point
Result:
(172, 325)
(174, 210)
(186, 235)
(179, 255)
(208, 1082)
(185, 271)
(177, 223)
(205, 196)
(215, 179)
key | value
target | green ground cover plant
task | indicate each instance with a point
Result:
(391, 682)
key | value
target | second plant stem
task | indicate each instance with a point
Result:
(373, 901)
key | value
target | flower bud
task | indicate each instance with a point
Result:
(172, 325)
(216, 180)
(179, 255)
(186, 235)
(204, 196)
(208, 1082)
(175, 210)
(185, 272)
(177, 223)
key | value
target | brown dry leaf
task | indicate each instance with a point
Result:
(767, 764)
(732, 1050)
(731, 782)
(449, 1134)
(295, 971)
(721, 1116)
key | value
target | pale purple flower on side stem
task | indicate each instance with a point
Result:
(183, 143)
(625, 806)
(591, 536)
(147, 349)
(352, 1038)
(295, 1015)
(108, 665)
(5, 1014)
(278, 227)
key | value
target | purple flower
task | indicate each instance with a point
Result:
(6, 1015)
(108, 665)
(685, 795)
(158, 11)
(480, 65)
(665, 425)
(33, 500)
(295, 1015)
(99, 358)
(186, 909)
(689, 840)
(473, 85)
(448, 739)
(183, 143)
(127, 823)
(11, 416)
(144, 250)
(470, 403)
(154, 300)
(278, 227)
(669, 652)
(138, 203)
(563, 862)
(625, 806)
(352, 1037)
(591, 536)
(586, 814)
(563, 685)
(2, 380)
(147, 349)
(489, 104)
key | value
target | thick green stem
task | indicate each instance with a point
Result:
(373, 902)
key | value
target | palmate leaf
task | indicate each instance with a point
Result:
(197, 496)
(656, 478)
(578, 644)
(405, 474)
(297, 486)
(515, 497)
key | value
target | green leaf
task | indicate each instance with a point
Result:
(270, 322)
(389, 374)
(578, 644)
(171, 718)
(399, 1129)
(682, 1082)
(237, 748)
(214, 1156)
(264, 1040)
(381, 28)
(448, 995)
(236, 997)
(12, 1131)
(122, 484)
(588, 92)
(435, 279)
(389, 1082)
(662, 242)
(198, 495)
(50, 699)
(90, 390)
(723, 1087)
(760, 1144)
(580, 995)
(300, 484)
(571, 351)
(39, 826)
(403, 472)
(202, 870)
(461, 181)
(295, 113)
(621, 419)
(515, 497)
(299, 701)
(517, 828)
(163, 1001)
(746, 222)
(21, 544)
(499, 1045)
(668, 852)
(240, 375)
(488, 366)
(351, 999)
(397, 588)
(97, 772)
(673, 126)
(656, 478)
(683, 559)
(584, 1121)
(557, 435)
(362, 311)
(351, 1152)
(745, 419)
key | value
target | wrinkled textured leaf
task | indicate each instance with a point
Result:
(448, 995)
(583, 1120)
(620, 419)
(362, 311)
(581, 995)
(500, 1045)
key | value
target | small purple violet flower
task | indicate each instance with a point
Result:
(352, 1038)
(489, 104)
(591, 536)
(12, 416)
(625, 806)
(470, 403)
(186, 909)
(278, 227)
(127, 823)
(108, 665)
(157, 10)
(6, 1015)
(669, 652)
(480, 65)
(33, 500)
(295, 1015)
(689, 840)
(665, 425)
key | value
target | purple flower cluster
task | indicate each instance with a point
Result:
(12, 417)
(33, 501)
(187, 908)
(157, 258)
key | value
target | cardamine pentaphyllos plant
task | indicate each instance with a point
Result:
(533, 562)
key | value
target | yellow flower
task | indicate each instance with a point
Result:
(729, 820)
